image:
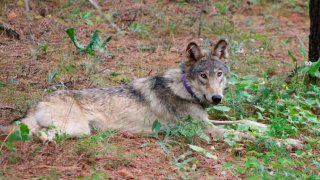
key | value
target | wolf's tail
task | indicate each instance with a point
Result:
(5, 130)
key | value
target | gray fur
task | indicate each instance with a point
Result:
(134, 107)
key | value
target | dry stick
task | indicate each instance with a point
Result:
(27, 9)
(202, 10)
(103, 16)
(7, 108)
(200, 22)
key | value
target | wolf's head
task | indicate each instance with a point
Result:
(206, 71)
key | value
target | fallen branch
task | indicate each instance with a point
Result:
(9, 30)
(26, 12)
(7, 108)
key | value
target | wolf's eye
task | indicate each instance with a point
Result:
(204, 76)
(219, 74)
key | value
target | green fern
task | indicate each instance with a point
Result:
(94, 43)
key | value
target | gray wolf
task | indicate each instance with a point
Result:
(188, 90)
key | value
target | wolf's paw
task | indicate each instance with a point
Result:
(46, 137)
(221, 134)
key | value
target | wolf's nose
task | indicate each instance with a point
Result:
(216, 98)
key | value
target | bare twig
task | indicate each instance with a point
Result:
(112, 24)
(4, 156)
(26, 12)
(7, 108)
(200, 22)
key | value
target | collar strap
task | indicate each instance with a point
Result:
(187, 86)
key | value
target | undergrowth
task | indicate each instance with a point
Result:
(290, 106)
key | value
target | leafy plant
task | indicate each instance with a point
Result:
(182, 3)
(183, 160)
(139, 28)
(308, 68)
(44, 47)
(219, 108)
(203, 151)
(189, 129)
(91, 144)
(52, 75)
(94, 43)
(156, 127)
(230, 139)
(172, 27)
(221, 7)
(119, 78)
(86, 16)
(21, 134)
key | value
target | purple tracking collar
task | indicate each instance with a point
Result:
(187, 86)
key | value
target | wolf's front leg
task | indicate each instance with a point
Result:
(219, 133)
(211, 129)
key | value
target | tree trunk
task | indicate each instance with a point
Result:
(314, 38)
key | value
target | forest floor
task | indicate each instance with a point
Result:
(153, 38)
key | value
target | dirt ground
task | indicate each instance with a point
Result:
(25, 64)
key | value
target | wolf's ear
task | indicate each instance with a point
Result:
(193, 52)
(220, 50)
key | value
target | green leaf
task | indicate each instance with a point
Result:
(71, 33)
(204, 136)
(261, 109)
(221, 7)
(21, 135)
(185, 161)
(260, 117)
(182, 3)
(163, 146)
(24, 132)
(104, 43)
(203, 151)
(93, 44)
(183, 156)
(89, 22)
(314, 69)
(86, 16)
(294, 59)
(52, 75)
(144, 145)
(222, 108)
(156, 126)
(302, 49)
(138, 27)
